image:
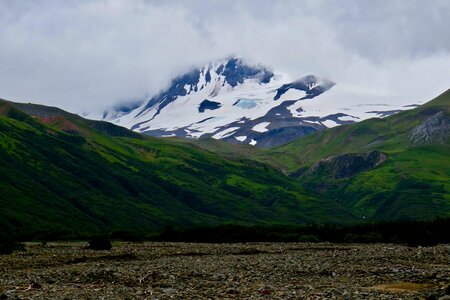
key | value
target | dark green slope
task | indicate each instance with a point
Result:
(62, 173)
(411, 182)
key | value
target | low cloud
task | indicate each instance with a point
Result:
(87, 55)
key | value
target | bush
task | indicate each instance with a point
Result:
(99, 243)
(8, 244)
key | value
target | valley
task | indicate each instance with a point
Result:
(62, 175)
(225, 149)
(66, 176)
(410, 153)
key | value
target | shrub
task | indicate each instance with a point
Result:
(7, 247)
(8, 244)
(100, 243)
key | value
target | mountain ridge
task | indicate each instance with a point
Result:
(412, 180)
(61, 174)
(244, 103)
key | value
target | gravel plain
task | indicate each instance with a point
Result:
(157, 270)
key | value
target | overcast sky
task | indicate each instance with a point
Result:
(87, 55)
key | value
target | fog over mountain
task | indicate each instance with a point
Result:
(87, 55)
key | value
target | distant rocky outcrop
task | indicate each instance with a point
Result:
(346, 165)
(207, 104)
(310, 84)
(434, 130)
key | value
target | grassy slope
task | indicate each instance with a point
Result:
(60, 172)
(390, 135)
(413, 183)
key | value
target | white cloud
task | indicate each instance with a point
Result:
(84, 55)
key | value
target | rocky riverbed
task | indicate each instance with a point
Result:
(226, 271)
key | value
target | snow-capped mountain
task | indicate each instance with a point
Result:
(243, 103)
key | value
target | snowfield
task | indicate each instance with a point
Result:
(235, 101)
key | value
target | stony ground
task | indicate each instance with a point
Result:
(226, 271)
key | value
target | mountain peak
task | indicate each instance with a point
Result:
(230, 72)
(235, 70)
(246, 103)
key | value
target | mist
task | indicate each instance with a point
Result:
(85, 56)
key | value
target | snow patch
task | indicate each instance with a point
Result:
(330, 123)
(246, 103)
(261, 127)
(312, 122)
(224, 133)
(253, 142)
(348, 118)
(292, 94)
(241, 138)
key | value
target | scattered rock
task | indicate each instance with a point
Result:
(232, 291)
(9, 295)
(265, 291)
(447, 289)
(169, 291)
(239, 271)
(34, 285)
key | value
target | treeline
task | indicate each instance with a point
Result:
(412, 233)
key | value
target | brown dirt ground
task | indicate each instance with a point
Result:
(226, 271)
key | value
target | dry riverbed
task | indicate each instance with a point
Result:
(226, 271)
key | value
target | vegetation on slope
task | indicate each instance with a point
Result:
(412, 233)
(412, 183)
(62, 175)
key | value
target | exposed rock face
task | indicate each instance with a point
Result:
(307, 84)
(278, 135)
(245, 103)
(235, 101)
(346, 165)
(435, 130)
(206, 104)
(235, 72)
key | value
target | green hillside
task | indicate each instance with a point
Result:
(62, 174)
(412, 182)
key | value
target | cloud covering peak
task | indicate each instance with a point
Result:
(85, 55)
